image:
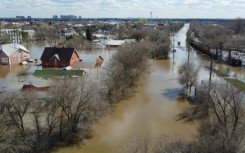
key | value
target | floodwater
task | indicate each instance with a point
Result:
(153, 108)
(151, 111)
(13, 77)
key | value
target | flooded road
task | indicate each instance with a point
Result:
(151, 111)
(153, 108)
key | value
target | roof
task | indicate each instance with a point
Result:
(9, 49)
(115, 42)
(63, 54)
(29, 31)
(50, 73)
(33, 87)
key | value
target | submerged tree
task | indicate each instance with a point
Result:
(188, 75)
(15, 135)
(161, 144)
(79, 105)
(124, 69)
(220, 107)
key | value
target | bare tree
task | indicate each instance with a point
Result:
(36, 112)
(78, 103)
(14, 136)
(124, 69)
(161, 144)
(17, 105)
(188, 74)
(51, 116)
(221, 109)
(238, 26)
(79, 43)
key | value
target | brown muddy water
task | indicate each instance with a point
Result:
(151, 111)
(13, 77)
(153, 108)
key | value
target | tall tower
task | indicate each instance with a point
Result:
(151, 14)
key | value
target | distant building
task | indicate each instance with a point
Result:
(13, 53)
(68, 32)
(20, 17)
(68, 17)
(80, 17)
(13, 34)
(55, 17)
(30, 33)
(59, 57)
(150, 25)
(29, 17)
(115, 43)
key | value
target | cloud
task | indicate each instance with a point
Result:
(124, 8)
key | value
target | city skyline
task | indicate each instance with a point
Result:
(124, 8)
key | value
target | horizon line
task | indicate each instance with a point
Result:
(123, 18)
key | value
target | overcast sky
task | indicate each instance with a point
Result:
(125, 8)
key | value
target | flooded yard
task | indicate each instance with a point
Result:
(13, 77)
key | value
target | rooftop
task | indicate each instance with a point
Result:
(9, 49)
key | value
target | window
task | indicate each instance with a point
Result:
(5, 60)
(24, 56)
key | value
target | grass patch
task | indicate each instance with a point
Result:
(237, 83)
(51, 73)
(220, 74)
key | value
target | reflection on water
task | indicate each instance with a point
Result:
(5, 70)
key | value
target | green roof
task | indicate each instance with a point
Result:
(50, 73)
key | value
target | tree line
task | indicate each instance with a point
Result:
(219, 37)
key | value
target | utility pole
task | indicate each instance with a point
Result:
(211, 71)
(97, 72)
(188, 64)
(173, 46)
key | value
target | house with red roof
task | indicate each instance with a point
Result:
(13, 53)
(59, 57)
